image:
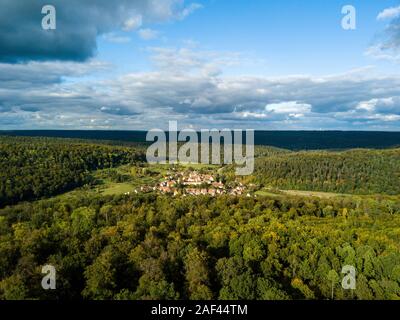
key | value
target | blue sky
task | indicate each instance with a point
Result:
(290, 37)
(269, 65)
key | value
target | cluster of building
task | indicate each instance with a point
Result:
(214, 192)
(194, 183)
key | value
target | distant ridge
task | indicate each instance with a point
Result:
(294, 140)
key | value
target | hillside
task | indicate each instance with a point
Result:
(32, 168)
(353, 171)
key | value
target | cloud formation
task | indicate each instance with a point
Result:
(42, 95)
(388, 47)
(148, 34)
(289, 107)
(49, 80)
(79, 23)
(389, 13)
(115, 38)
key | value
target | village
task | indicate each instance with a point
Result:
(194, 183)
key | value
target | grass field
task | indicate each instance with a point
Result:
(268, 192)
(117, 188)
(318, 194)
(303, 193)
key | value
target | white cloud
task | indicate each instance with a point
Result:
(190, 9)
(43, 95)
(164, 10)
(290, 107)
(379, 52)
(188, 60)
(254, 115)
(133, 23)
(388, 117)
(114, 38)
(388, 46)
(367, 105)
(296, 115)
(389, 13)
(372, 104)
(148, 34)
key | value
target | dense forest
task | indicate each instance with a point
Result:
(112, 244)
(293, 140)
(155, 247)
(32, 168)
(353, 171)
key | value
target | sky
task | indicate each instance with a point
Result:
(243, 64)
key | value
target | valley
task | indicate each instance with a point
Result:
(116, 227)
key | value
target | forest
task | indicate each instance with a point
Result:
(149, 247)
(122, 246)
(41, 167)
(354, 171)
(293, 140)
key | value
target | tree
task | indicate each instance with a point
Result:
(13, 288)
(197, 275)
(333, 277)
(83, 220)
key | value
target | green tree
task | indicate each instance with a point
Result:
(333, 277)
